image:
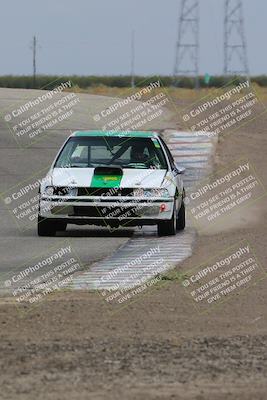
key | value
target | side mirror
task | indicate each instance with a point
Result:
(179, 169)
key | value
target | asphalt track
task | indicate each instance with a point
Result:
(19, 245)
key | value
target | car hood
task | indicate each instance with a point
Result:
(129, 178)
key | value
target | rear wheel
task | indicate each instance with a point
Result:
(48, 227)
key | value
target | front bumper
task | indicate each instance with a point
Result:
(107, 211)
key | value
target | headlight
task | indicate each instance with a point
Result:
(73, 192)
(138, 192)
(161, 193)
(49, 190)
(151, 193)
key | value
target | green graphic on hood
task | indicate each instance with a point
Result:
(105, 177)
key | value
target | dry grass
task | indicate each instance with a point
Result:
(173, 93)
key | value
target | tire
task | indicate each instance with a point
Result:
(168, 228)
(180, 223)
(48, 227)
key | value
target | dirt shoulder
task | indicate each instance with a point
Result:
(160, 347)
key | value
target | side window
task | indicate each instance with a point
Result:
(169, 154)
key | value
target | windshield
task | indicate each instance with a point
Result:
(91, 152)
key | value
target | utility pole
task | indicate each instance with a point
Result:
(235, 47)
(187, 47)
(33, 47)
(132, 59)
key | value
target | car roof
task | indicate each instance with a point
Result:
(132, 134)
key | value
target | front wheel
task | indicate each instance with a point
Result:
(180, 225)
(168, 228)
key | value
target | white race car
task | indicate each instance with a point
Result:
(112, 179)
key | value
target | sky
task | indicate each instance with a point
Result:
(92, 37)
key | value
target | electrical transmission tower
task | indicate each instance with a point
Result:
(187, 47)
(235, 47)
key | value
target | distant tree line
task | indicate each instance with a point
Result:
(49, 82)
